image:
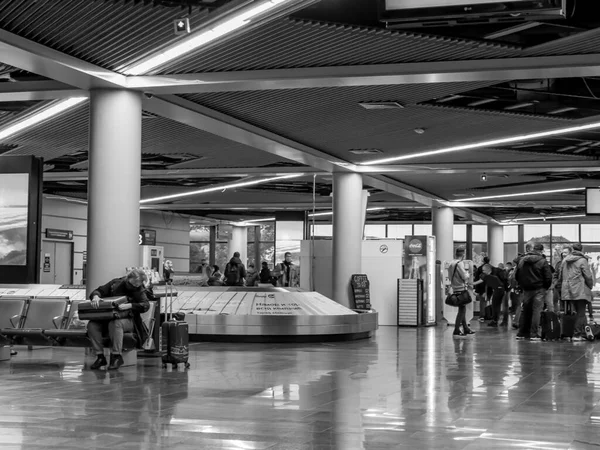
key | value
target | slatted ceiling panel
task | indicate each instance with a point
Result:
(288, 43)
(331, 120)
(106, 33)
(587, 42)
(69, 133)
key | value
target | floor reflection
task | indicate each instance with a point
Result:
(407, 388)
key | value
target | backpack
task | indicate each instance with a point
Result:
(233, 275)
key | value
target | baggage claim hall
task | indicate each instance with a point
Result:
(300, 224)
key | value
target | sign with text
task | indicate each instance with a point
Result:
(147, 237)
(361, 289)
(66, 235)
(46, 262)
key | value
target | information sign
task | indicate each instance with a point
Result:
(66, 235)
(361, 290)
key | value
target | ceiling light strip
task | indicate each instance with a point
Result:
(223, 187)
(491, 143)
(542, 218)
(40, 116)
(230, 24)
(521, 194)
(330, 213)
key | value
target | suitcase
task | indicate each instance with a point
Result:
(550, 326)
(567, 325)
(488, 314)
(106, 311)
(175, 337)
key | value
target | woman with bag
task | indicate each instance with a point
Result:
(458, 280)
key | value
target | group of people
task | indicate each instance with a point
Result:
(527, 286)
(285, 274)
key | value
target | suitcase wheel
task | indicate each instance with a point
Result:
(164, 365)
(174, 365)
(187, 365)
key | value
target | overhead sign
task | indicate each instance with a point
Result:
(66, 235)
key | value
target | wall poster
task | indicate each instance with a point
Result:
(14, 203)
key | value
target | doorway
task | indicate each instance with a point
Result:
(57, 262)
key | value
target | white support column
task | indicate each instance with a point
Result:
(443, 230)
(347, 233)
(239, 243)
(114, 184)
(495, 244)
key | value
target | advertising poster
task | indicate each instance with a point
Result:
(415, 259)
(14, 194)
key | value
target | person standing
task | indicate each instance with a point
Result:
(492, 282)
(458, 276)
(576, 286)
(235, 272)
(287, 272)
(168, 271)
(535, 277)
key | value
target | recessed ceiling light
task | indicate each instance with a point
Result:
(381, 105)
(366, 151)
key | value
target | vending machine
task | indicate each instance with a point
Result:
(152, 256)
(419, 265)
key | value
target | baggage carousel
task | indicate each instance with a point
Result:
(243, 314)
(254, 314)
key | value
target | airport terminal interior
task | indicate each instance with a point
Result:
(344, 152)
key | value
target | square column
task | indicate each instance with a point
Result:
(115, 160)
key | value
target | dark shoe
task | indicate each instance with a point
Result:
(504, 323)
(469, 332)
(493, 323)
(515, 326)
(116, 361)
(100, 362)
(14, 353)
(459, 335)
(588, 333)
(521, 338)
(535, 339)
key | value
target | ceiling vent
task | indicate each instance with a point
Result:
(366, 151)
(381, 105)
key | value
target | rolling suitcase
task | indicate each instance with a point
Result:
(567, 323)
(175, 337)
(550, 326)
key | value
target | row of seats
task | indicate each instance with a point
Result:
(45, 321)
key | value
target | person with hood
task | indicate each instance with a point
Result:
(577, 282)
(535, 277)
(235, 272)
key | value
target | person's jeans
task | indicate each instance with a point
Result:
(115, 328)
(482, 305)
(580, 307)
(461, 319)
(497, 298)
(533, 302)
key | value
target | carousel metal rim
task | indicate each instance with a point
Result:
(282, 325)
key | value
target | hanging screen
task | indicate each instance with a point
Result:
(14, 203)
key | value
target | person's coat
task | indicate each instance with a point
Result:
(576, 278)
(282, 277)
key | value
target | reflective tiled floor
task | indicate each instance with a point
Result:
(404, 389)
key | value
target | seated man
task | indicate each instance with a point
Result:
(131, 286)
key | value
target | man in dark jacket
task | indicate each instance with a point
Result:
(534, 276)
(235, 272)
(131, 286)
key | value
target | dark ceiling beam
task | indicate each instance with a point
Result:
(504, 69)
(24, 91)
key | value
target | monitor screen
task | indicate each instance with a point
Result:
(14, 201)
(592, 201)
(413, 4)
